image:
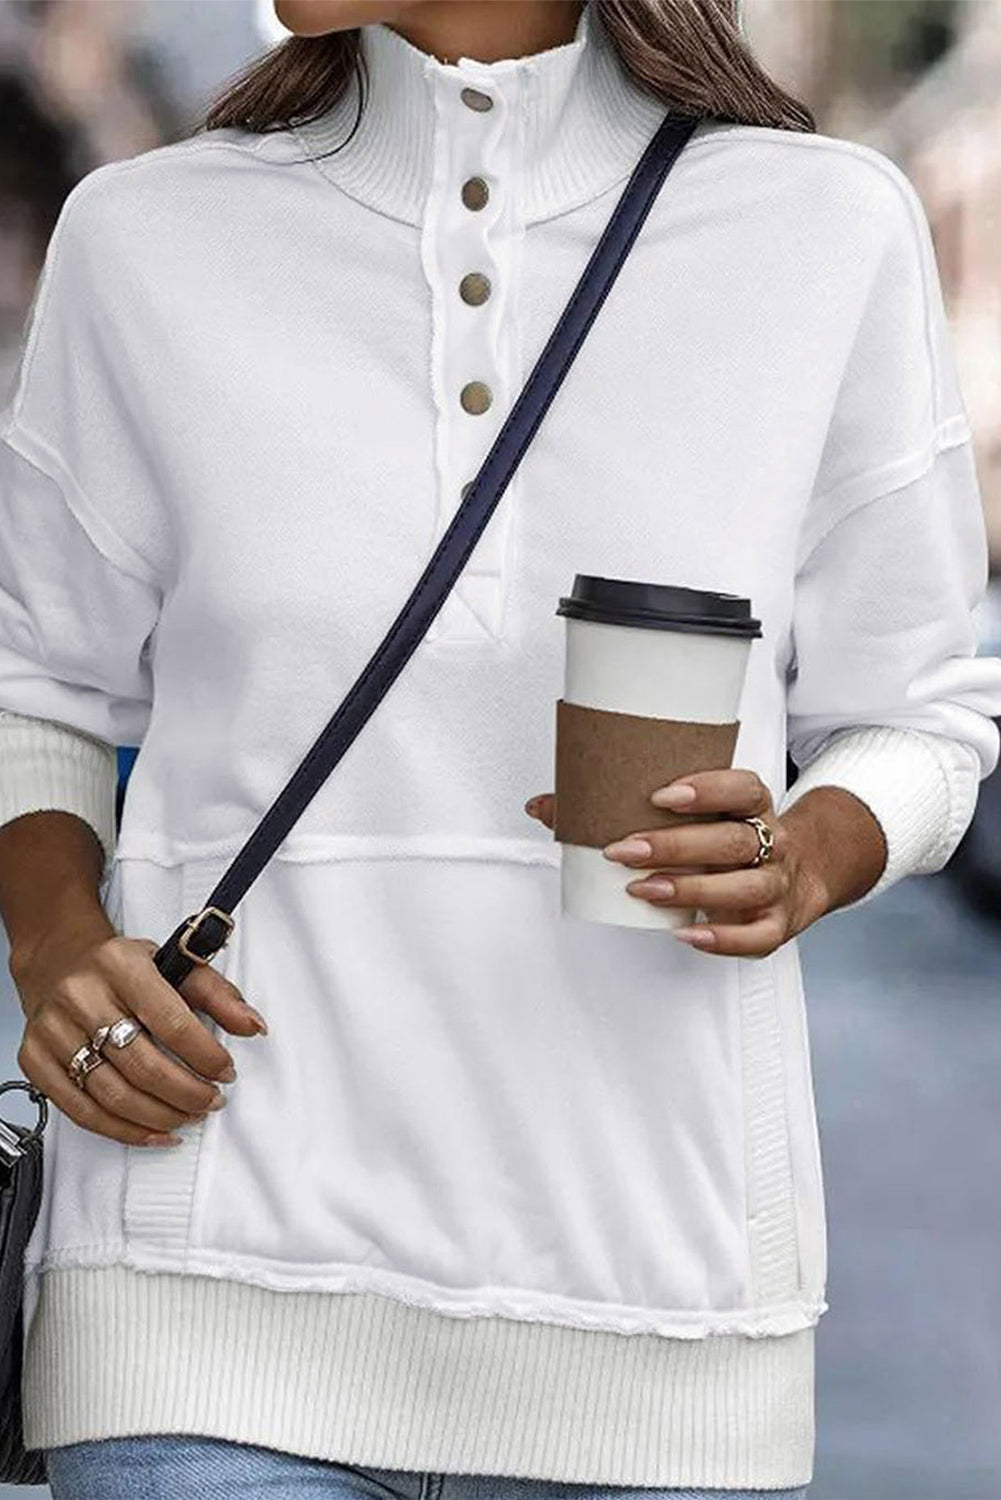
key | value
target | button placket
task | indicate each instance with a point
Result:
(476, 99)
(471, 252)
(474, 288)
(475, 193)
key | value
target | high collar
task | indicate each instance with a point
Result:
(567, 122)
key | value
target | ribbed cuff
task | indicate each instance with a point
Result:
(920, 787)
(49, 767)
(364, 1379)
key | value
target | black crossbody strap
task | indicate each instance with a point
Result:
(200, 936)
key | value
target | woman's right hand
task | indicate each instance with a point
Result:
(75, 981)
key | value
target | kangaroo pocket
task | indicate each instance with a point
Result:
(466, 1101)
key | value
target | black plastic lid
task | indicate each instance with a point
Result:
(660, 606)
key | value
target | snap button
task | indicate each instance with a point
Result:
(476, 99)
(474, 288)
(465, 489)
(475, 192)
(475, 397)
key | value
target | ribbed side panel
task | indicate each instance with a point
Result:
(771, 1205)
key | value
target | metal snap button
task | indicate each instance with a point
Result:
(465, 489)
(476, 99)
(476, 397)
(474, 288)
(475, 193)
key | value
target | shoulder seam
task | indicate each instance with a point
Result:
(891, 172)
(117, 552)
(953, 432)
(80, 190)
(811, 140)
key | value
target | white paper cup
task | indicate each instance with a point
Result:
(658, 651)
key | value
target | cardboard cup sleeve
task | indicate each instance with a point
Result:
(608, 764)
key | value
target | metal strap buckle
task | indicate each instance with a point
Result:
(194, 923)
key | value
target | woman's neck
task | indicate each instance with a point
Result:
(504, 28)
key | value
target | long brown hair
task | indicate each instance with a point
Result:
(690, 54)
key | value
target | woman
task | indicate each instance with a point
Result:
(498, 1202)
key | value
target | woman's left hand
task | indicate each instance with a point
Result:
(704, 866)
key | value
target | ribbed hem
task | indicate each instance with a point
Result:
(920, 787)
(49, 767)
(364, 1379)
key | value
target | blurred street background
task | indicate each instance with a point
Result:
(904, 996)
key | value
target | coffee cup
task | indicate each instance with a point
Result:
(653, 680)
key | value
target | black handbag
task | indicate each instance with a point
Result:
(199, 937)
(20, 1195)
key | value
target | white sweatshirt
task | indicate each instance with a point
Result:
(501, 1192)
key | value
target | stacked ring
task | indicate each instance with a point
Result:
(83, 1061)
(119, 1033)
(86, 1058)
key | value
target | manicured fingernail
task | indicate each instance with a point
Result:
(696, 937)
(653, 887)
(673, 796)
(219, 1101)
(532, 807)
(162, 1140)
(628, 849)
(229, 1074)
(259, 1020)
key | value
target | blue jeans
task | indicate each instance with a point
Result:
(176, 1467)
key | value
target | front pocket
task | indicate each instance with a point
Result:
(468, 1099)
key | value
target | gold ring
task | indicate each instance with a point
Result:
(766, 841)
(119, 1033)
(83, 1061)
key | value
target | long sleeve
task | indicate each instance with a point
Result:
(887, 695)
(74, 668)
(74, 625)
(79, 591)
(47, 766)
